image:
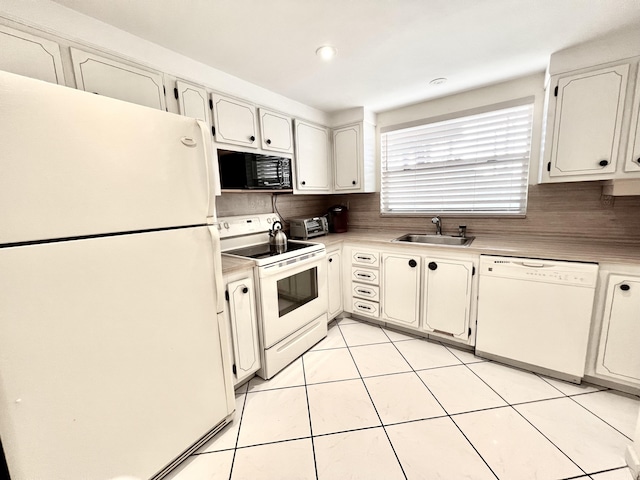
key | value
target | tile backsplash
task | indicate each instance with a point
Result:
(563, 210)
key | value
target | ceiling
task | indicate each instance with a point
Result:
(388, 50)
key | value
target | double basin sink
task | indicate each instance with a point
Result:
(450, 240)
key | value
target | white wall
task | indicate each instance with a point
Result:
(529, 86)
(54, 19)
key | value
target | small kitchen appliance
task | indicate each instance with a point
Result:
(305, 228)
(338, 219)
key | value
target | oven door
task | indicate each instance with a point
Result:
(293, 293)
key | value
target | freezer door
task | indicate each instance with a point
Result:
(110, 354)
(74, 164)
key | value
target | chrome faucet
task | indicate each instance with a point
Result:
(438, 224)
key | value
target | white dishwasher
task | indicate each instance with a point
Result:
(536, 313)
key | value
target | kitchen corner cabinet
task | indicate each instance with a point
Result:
(447, 297)
(114, 79)
(618, 352)
(234, 121)
(192, 101)
(241, 311)
(354, 158)
(401, 288)
(585, 124)
(275, 131)
(30, 56)
(312, 159)
(334, 274)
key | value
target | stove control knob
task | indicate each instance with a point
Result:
(268, 220)
(226, 225)
(275, 219)
(219, 227)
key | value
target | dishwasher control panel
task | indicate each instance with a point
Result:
(547, 271)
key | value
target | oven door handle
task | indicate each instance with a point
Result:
(299, 264)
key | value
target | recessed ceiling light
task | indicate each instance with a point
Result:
(326, 52)
(438, 81)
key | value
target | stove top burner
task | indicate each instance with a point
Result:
(265, 250)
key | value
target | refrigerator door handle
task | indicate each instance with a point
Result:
(217, 267)
(206, 145)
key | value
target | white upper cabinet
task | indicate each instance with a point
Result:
(192, 101)
(312, 158)
(632, 163)
(401, 288)
(347, 154)
(234, 121)
(447, 296)
(619, 355)
(275, 131)
(114, 79)
(354, 158)
(588, 122)
(31, 56)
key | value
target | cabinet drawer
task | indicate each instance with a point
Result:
(370, 259)
(365, 275)
(372, 309)
(368, 292)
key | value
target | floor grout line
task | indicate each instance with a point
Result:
(374, 407)
(306, 394)
(235, 449)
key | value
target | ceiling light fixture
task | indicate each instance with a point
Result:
(326, 52)
(438, 81)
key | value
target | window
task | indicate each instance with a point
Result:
(475, 164)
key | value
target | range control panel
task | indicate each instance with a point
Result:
(246, 224)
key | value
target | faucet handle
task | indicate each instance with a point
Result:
(435, 220)
(462, 230)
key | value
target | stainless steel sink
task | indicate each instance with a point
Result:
(435, 239)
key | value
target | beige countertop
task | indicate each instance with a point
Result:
(554, 248)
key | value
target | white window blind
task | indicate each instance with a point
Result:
(476, 164)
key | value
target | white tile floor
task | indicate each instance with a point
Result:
(369, 403)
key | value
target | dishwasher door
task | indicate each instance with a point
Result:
(536, 313)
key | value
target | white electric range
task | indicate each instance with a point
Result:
(292, 288)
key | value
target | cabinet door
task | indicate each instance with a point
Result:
(312, 158)
(275, 131)
(619, 355)
(334, 273)
(117, 80)
(235, 121)
(192, 101)
(632, 163)
(447, 287)
(588, 119)
(30, 56)
(244, 328)
(347, 158)
(401, 288)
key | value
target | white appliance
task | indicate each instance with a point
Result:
(292, 289)
(113, 357)
(536, 313)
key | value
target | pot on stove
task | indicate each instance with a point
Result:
(277, 238)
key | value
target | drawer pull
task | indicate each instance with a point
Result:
(363, 257)
(363, 275)
(624, 287)
(364, 292)
(364, 307)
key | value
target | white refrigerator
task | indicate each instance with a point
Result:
(113, 349)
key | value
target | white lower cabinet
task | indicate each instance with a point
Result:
(447, 297)
(334, 277)
(401, 288)
(241, 312)
(618, 352)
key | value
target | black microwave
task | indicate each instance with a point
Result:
(253, 171)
